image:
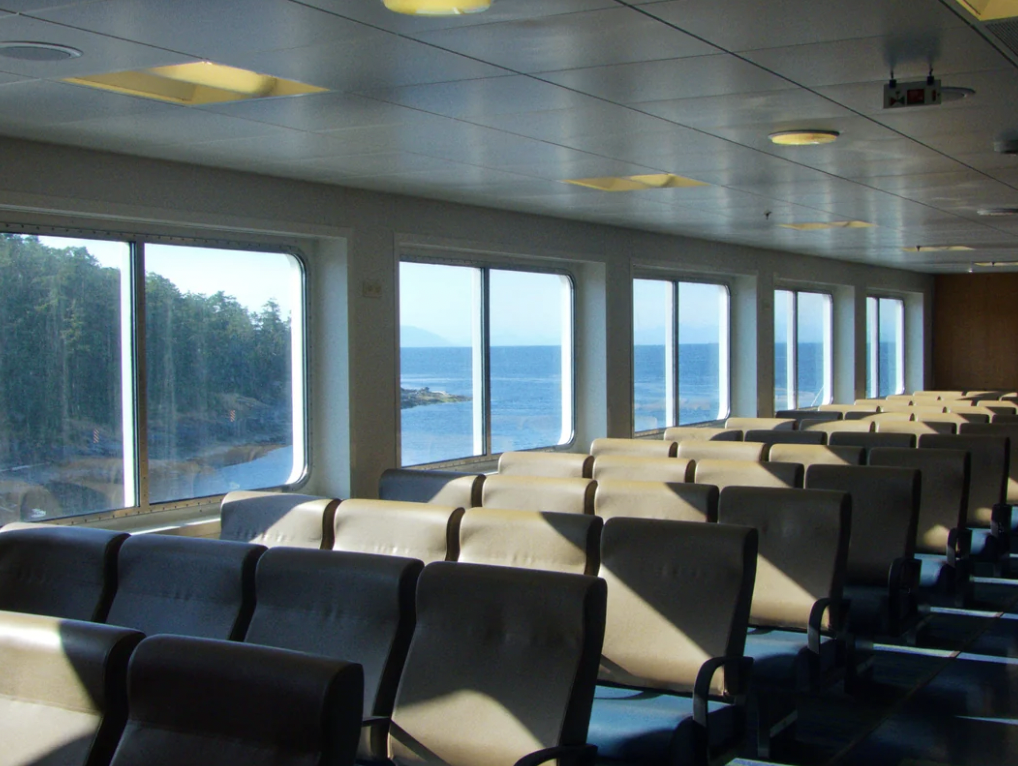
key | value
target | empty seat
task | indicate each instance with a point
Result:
(678, 601)
(698, 450)
(877, 417)
(996, 407)
(460, 490)
(939, 394)
(656, 500)
(808, 454)
(916, 427)
(564, 465)
(746, 424)
(68, 572)
(786, 437)
(63, 692)
(870, 440)
(695, 433)
(628, 468)
(185, 586)
(743, 473)
(424, 531)
(966, 415)
(502, 664)
(1010, 430)
(801, 415)
(881, 571)
(221, 703)
(633, 447)
(833, 426)
(844, 409)
(525, 493)
(878, 404)
(558, 542)
(274, 518)
(356, 607)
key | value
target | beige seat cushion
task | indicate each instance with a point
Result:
(744, 473)
(278, 518)
(844, 409)
(634, 447)
(693, 433)
(748, 424)
(989, 470)
(422, 531)
(874, 439)
(809, 454)
(1010, 430)
(629, 468)
(656, 500)
(702, 450)
(917, 427)
(557, 542)
(527, 493)
(559, 465)
(831, 427)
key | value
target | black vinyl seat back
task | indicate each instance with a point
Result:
(278, 518)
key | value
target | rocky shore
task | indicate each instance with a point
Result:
(418, 397)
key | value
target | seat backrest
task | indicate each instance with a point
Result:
(916, 427)
(63, 689)
(786, 437)
(274, 518)
(746, 424)
(991, 456)
(185, 586)
(633, 447)
(803, 550)
(190, 698)
(412, 485)
(944, 490)
(870, 440)
(878, 417)
(834, 426)
(995, 407)
(809, 454)
(745, 473)
(422, 531)
(656, 500)
(357, 607)
(503, 663)
(700, 450)
(967, 415)
(629, 468)
(557, 465)
(844, 409)
(885, 512)
(662, 626)
(695, 433)
(68, 572)
(879, 405)
(1010, 430)
(525, 493)
(558, 542)
(801, 415)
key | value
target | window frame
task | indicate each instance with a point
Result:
(133, 350)
(792, 342)
(674, 280)
(875, 377)
(486, 265)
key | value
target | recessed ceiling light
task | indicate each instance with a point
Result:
(636, 183)
(998, 211)
(952, 93)
(198, 83)
(804, 137)
(995, 264)
(820, 225)
(936, 248)
(988, 10)
(437, 7)
(23, 50)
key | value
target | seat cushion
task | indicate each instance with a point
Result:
(650, 727)
(781, 659)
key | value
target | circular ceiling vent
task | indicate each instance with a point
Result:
(31, 51)
(999, 211)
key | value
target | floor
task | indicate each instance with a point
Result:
(952, 699)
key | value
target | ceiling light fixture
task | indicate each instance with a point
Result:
(821, 226)
(937, 248)
(988, 10)
(636, 183)
(437, 7)
(804, 137)
(996, 264)
(954, 93)
(998, 211)
(23, 50)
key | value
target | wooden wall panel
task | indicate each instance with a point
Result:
(975, 331)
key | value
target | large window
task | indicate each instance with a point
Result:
(680, 353)
(486, 362)
(221, 406)
(803, 355)
(885, 346)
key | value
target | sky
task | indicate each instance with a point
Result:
(252, 278)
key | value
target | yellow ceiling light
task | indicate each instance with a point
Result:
(937, 248)
(194, 84)
(989, 10)
(995, 264)
(437, 7)
(804, 137)
(636, 183)
(822, 226)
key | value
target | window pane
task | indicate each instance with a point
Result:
(813, 349)
(653, 370)
(703, 352)
(531, 362)
(61, 430)
(892, 346)
(440, 363)
(222, 335)
(872, 345)
(784, 355)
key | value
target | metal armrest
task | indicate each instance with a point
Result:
(737, 669)
(815, 628)
(1000, 524)
(959, 545)
(576, 755)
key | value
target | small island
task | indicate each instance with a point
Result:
(418, 397)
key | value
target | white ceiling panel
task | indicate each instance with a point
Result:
(41, 102)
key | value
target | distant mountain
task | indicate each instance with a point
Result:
(415, 336)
